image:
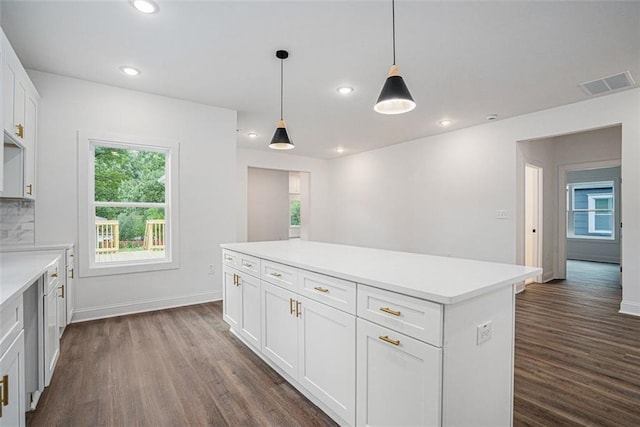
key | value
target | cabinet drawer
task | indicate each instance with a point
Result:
(53, 273)
(337, 293)
(411, 316)
(280, 274)
(242, 262)
(11, 320)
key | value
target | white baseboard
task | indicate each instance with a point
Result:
(632, 308)
(101, 312)
(547, 277)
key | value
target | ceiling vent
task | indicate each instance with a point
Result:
(608, 84)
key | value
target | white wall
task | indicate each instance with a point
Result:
(319, 216)
(267, 205)
(440, 194)
(207, 137)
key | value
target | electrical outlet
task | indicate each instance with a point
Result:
(483, 332)
(502, 214)
(212, 269)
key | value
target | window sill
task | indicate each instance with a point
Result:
(593, 238)
(145, 266)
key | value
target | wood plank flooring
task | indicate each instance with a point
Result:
(577, 359)
(175, 367)
(577, 363)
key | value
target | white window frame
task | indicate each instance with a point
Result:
(593, 211)
(87, 140)
(590, 209)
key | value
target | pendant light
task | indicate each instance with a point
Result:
(394, 97)
(280, 140)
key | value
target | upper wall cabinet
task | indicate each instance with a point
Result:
(20, 117)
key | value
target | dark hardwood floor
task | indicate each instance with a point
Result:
(175, 367)
(577, 359)
(577, 363)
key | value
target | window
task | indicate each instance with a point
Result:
(128, 221)
(591, 210)
(294, 205)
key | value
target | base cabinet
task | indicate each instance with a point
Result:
(12, 385)
(242, 304)
(399, 379)
(232, 298)
(280, 327)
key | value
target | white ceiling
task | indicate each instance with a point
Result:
(460, 60)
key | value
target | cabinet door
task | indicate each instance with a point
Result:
(12, 383)
(399, 379)
(232, 299)
(8, 86)
(327, 356)
(251, 309)
(280, 327)
(71, 281)
(62, 307)
(30, 131)
(51, 332)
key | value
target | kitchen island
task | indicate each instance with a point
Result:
(377, 337)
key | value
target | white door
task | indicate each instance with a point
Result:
(267, 205)
(399, 379)
(12, 385)
(533, 219)
(280, 327)
(251, 309)
(327, 356)
(232, 298)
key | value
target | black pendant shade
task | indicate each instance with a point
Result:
(394, 97)
(280, 140)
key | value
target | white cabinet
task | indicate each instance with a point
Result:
(280, 327)
(20, 119)
(66, 290)
(242, 304)
(399, 379)
(51, 329)
(12, 384)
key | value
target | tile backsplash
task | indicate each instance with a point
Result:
(17, 222)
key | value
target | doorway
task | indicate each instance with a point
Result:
(533, 183)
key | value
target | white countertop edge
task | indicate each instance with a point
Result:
(36, 247)
(28, 279)
(442, 299)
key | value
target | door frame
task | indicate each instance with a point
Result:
(539, 234)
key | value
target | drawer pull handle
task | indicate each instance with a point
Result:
(276, 274)
(291, 309)
(228, 258)
(298, 310)
(246, 264)
(62, 289)
(71, 274)
(389, 340)
(388, 310)
(318, 288)
(54, 274)
(5, 392)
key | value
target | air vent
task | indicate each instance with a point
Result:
(609, 84)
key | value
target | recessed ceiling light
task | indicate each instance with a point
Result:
(445, 122)
(130, 71)
(340, 150)
(252, 135)
(145, 6)
(492, 117)
(345, 90)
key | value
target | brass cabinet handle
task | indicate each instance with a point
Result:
(276, 274)
(5, 391)
(238, 279)
(228, 258)
(71, 274)
(388, 310)
(321, 289)
(389, 340)
(20, 130)
(54, 274)
(30, 189)
(62, 288)
(246, 264)
(291, 300)
(298, 309)
(235, 279)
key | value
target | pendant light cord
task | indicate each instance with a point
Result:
(393, 20)
(281, 88)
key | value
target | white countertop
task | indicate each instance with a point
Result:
(18, 270)
(441, 279)
(36, 247)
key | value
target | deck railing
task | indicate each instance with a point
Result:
(107, 237)
(154, 235)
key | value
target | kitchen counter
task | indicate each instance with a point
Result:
(18, 270)
(444, 280)
(36, 247)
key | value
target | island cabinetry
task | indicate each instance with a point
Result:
(12, 384)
